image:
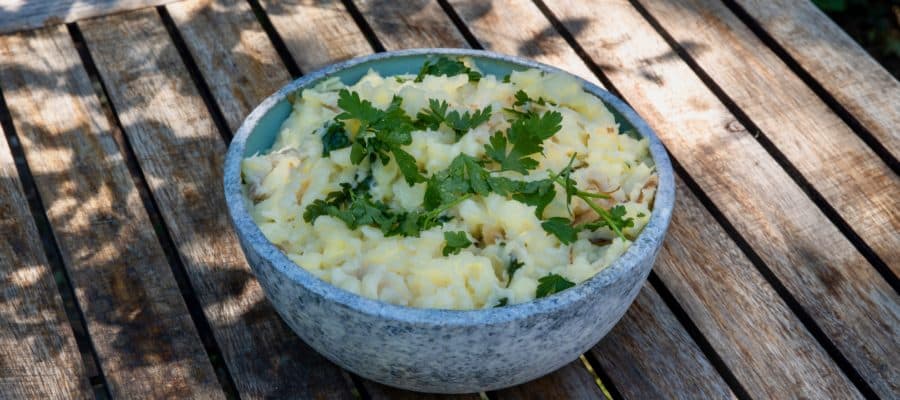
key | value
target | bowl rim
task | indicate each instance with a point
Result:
(627, 263)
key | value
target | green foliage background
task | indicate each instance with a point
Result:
(875, 24)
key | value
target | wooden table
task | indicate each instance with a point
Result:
(121, 277)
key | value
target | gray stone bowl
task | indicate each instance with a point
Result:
(429, 350)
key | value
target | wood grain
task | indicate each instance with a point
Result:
(180, 153)
(429, 26)
(855, 79)
(512, 38)
(377, 391)
(224, 58)
(573, 381)
(140, 327)
(22, 14)
(531, 36)
(410, 24)
(832, 282)
(316, 32)
(648, 356)
(836, 162)
(38, 356)
(233, 53)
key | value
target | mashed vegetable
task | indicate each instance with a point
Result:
(483, 248)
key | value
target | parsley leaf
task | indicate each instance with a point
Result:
(511, 269)
(334, 138)
(436, 113)
(448, 67)
(464, 175)
(568, 183)
(615, 221)
(561, 228)
(522, 99)
(456, 241)
(354, 207)
(551, 284)
(460, 123)
(523, 138)
(539, 194)
(407, 165)
(380, 132)
(502, 302)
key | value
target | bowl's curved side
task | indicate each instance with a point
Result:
(448, 358)
(442, 350)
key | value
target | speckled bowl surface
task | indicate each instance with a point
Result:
(442, 351)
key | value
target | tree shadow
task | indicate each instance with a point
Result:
(141, 315)
(545, 42)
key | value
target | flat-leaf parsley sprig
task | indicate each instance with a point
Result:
(380, 132)
(614, 218)
(436, 114)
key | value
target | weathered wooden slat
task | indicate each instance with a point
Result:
(855, 79)
(316, 32)
(409, 24)
(531, 36)
(646, 354)
(569, 382)
(532, 31)
(377, 391)
(180, 152)
(211, 30)
(19, 15)
(38, 356)
(835, 161)
(832, 282)
(772, 323)
(429, 26)
(140, 327)
(216, 31)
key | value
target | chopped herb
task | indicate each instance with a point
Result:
(436, 113)
(511, 269)
(561, 228)
(456, 241)
(380, 132)
(334, 138)
(506, 78)
(355, 207)
(522, 99)
(613, 219)
(641, 215)
(448, 67)
(539, 193)
(523, 139)
(550, 284)
(502, 302)
(464, 175)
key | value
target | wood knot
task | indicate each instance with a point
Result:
(735, 126)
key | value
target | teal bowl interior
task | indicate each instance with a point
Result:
(268, 127)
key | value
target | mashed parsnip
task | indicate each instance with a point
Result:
(413, 271)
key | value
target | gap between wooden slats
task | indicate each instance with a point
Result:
(195, 310)
(30, 14)
(496, 34)
(844, 274)
(136, 318)
(40, 355)
(855, 189)
(185, 15)
(180, 156)
(836, 67)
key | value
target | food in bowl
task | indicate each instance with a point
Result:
(451, 189)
